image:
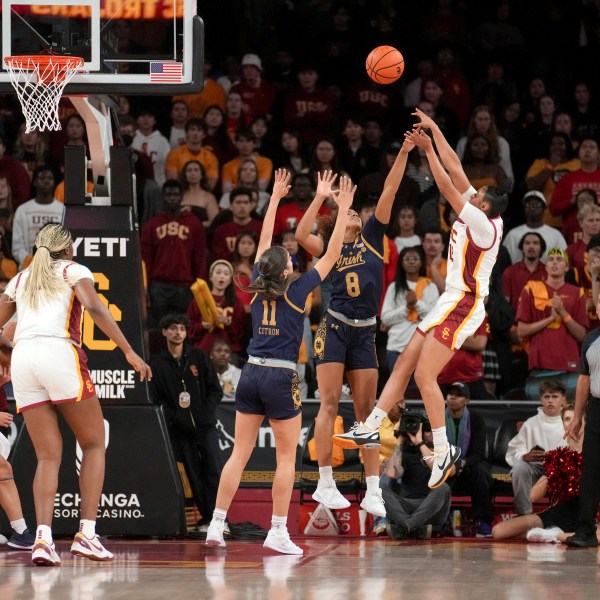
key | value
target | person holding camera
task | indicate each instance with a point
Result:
(467, 431)
(413, 509)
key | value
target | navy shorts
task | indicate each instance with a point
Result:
(563, 514)
(270, 391)
(337, 342)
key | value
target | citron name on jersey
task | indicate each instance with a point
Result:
(347, 262)
(100, 246)
(268, 330)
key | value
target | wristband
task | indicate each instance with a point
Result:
(421, 443)
(567, 319)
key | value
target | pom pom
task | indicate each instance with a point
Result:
(563, 469)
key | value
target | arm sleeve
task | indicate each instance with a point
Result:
(482, 230)
(373, 233)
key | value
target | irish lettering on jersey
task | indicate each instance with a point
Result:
(357, 277)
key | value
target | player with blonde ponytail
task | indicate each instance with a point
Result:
(50, 376)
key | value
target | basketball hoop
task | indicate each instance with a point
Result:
(39, 82)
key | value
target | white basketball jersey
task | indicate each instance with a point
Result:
(60, 317)
(470, 265)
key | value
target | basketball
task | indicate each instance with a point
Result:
(385, 64)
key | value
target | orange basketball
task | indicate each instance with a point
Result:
(385, 64)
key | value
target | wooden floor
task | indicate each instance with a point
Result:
(331, 569)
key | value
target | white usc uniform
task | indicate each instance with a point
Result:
(474, 244)
(48, 363)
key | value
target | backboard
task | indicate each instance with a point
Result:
(150, 47)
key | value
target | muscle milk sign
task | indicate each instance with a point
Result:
(106, 242)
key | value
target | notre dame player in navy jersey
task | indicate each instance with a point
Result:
(268, 385)
(345, 338)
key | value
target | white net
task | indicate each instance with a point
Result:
(39, 82)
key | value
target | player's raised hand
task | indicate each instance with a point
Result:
(425, 121)
(419, 138)
(324, 183)
(345, 195)
(281, 186)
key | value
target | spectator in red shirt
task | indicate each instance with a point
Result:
(257, 94)
(516, 276)
(467, 364)
(289, 215)
(225, 234)
(15, 174)
(563, 201)
(553, 315)
(174, 252)
(231, 321)
(309, 108)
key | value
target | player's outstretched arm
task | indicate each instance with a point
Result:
(312, 243)
(344, 201)
(392, 183)
(442, 179)
(448, 157)
(281, 188)
(87, 295)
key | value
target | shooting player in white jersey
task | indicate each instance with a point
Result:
(474, 242)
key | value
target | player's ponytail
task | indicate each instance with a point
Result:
(43, 281)
(270, 283)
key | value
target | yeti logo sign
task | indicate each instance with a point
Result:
(104, 240)
(95, 247)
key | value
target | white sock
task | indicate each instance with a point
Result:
(375, 419)
(440, 440)
(279, 523)
(88, 528)
(219, 515)
(372, 483)
(326, 476)
(43, 532)
(19, 525)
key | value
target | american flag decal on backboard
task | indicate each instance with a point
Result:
(165, 72)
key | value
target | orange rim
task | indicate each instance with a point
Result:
(30, 63)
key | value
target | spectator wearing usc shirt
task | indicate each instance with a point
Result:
(195, 132)
(309, 108)
(553, 315)
(225, 234)
(174, 252)
(516, 276)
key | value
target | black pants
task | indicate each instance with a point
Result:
(202, 462)
(476, 481)
(590, 470)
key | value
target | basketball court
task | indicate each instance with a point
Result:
(94, 50)
(331, 569)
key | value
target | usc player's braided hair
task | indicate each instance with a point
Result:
(43, 283)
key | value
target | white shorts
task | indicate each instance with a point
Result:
(455, 316)
(49, 369)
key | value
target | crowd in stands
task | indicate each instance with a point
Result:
(510, 84)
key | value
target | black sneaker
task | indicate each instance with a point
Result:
(397, 532)
(21, 541)
(424, 532)
(580, 540)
